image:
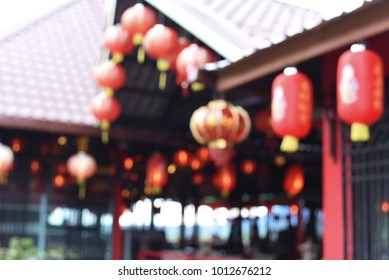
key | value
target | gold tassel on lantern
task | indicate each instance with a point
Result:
(105, 125)
(117, 58)
(81, 189)
(138, 39)
(163, 67)
(289, 144)
(359, 132)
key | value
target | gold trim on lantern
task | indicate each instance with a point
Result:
(218, 144)
(117, 58)
(247, 123)
(359, 132)
(194, 122)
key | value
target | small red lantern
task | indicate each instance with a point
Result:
(138, 19)
(198, 179)
(6, 162)
(107, 110)
(202, 153)
(110, 76)
(118, 41)
(160, 43)
(262, 122)
(191, 59)
(248, 166)
(82, 166)
(156, 173)
(225, 179)
(181, 158)
(220, 124)
(360, 90)
(294, 180)
(292, 104)
(195, 163)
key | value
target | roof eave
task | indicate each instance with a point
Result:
(370, 20)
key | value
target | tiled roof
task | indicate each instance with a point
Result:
(245, 26)
(46, 66)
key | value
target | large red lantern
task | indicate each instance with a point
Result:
(220, 124)
(291, 108)
(6, 162)
(156, 173)
(82, 166)
(107, 110)
(189, 60)
(110, 76)
(360, 90)
(294, 180)
(138, 19)
(225, 179)
(159, 43)
(118, 41)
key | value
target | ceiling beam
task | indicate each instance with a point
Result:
(370, 20)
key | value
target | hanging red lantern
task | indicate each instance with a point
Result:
(292, 103)
(195, 163)
(156, 173)
(82, 166)
(198, 179)
(360, 90)
(182, 43)
(6, 162)
(191, 59)
(202, 153)
(138, 19)
(262, 122)
(220, 124)
(181, 158)
(110, 76)
(107, 110)
(248, 166)
(225, 179)
(160, 42)
(294, 180)
(118, 41)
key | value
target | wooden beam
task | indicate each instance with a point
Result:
(116, 133)
(365, 22)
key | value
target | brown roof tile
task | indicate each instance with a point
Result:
(46, 67)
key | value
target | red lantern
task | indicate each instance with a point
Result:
(198, 179)
(191, 59)
(294, 180)
(262, 122)
(110, 76)
(220, 124)
(118, 41)
(6, 162)
(82, 166)
(225, 179)
(360, 90)
(159, 43)
(107, 110)
(248, 166)
(138, 19)
(195, 163)
(156, 173)
(182, 43)
(181, 158)
(202, 153)
(292, 103)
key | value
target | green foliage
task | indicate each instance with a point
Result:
(23, 248)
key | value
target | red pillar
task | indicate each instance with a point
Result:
(333, 208)
(117, 234)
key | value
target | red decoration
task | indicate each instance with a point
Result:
(160, 42)
(110, 76)
(182, 43)
(202, 153)
(225, 179)
(262, 122)
(118, 41)
(294, 180)
(181, 158)
(220, 124)
(221, 156)
(248, 166)
(107, 110)
(189, 60)
(360, 90)
(82, 166)
(198, 179)
(195, 163)
(156, 173)
(138, 19)
(6, 162)
(292, 103)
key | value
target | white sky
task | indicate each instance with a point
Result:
(13, 12)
